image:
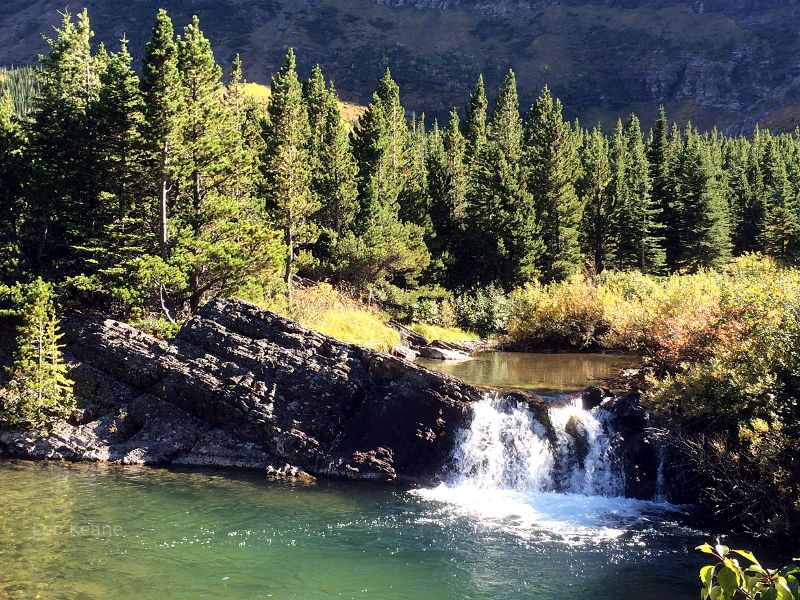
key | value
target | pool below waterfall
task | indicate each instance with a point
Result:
(516, 515)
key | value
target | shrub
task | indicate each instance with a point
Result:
(728, 580)
(561, 315)
(484, 310)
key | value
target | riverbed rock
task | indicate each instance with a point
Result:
(593, 396)
(242, 387)
(438, 353)
(638, 450)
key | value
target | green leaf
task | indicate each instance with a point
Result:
(728, 579)
(707, 548)
(746, 554)
(770, 594)
(722, 550)
(707, 576)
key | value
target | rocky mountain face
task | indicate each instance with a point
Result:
(716, 62)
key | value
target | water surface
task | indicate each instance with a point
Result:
(99, 532)
(543, 373)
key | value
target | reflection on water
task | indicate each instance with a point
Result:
(544, 373)
(95, 532)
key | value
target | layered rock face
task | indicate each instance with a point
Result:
(242, 387)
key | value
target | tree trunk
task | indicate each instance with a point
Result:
(289, 261)
(162, 204)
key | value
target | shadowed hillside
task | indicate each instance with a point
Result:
(715, 62)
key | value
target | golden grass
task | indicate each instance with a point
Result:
(323, 308)
(443, 334)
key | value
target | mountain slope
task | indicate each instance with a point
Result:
(723, 62)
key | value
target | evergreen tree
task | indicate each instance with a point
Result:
(248, 143)
(117, 118)
(552, 164)
(704, 239)
(781, 232)
(63, 225)
(639, 245)
(12, 166)
(286, 163)
(382, 149)
(161, 90)
(501, 220)
(38, 389)
(599, 208)
(334, 179)
(475, 121)
(447, 183)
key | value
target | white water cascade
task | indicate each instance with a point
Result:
(561, 477)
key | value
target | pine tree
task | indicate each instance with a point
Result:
(381, 144)
(63, 228)
(502, 226)
(12, 166)
(702, 212)
(447, 183)
(161, 90)
(639, 245)
(599, 209)
(475, 121)
(247, 142)
(781, 230)
(552, 163)
(334, 179)
(39, 389)
(286, 163)
(117, 118)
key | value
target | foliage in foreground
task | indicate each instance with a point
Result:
(728, 580)
(39, 389)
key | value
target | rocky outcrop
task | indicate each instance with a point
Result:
(242, 387)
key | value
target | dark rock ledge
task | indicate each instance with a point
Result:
(244, 388)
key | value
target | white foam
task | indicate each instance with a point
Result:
(510, 472)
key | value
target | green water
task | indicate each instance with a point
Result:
(544, 373)
(95, 532)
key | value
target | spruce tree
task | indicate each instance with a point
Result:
(63, 227)
(593, 189)
(118, 119)
(334, 179)
(475, 121)
(161, 90)
(501, 219)
(781, 231)
(38, 389)
(12, 167)
(287, 171)
(552, 165)
(381, 143)
(704, 230)
(639, 244)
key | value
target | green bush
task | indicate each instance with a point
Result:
(728, 580)
(484, 311)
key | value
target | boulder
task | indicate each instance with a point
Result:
(437, 353)
(631, 423)
(593, 396)
(245, 388)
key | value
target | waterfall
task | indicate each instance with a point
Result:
(547, 470)
(507, 448)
